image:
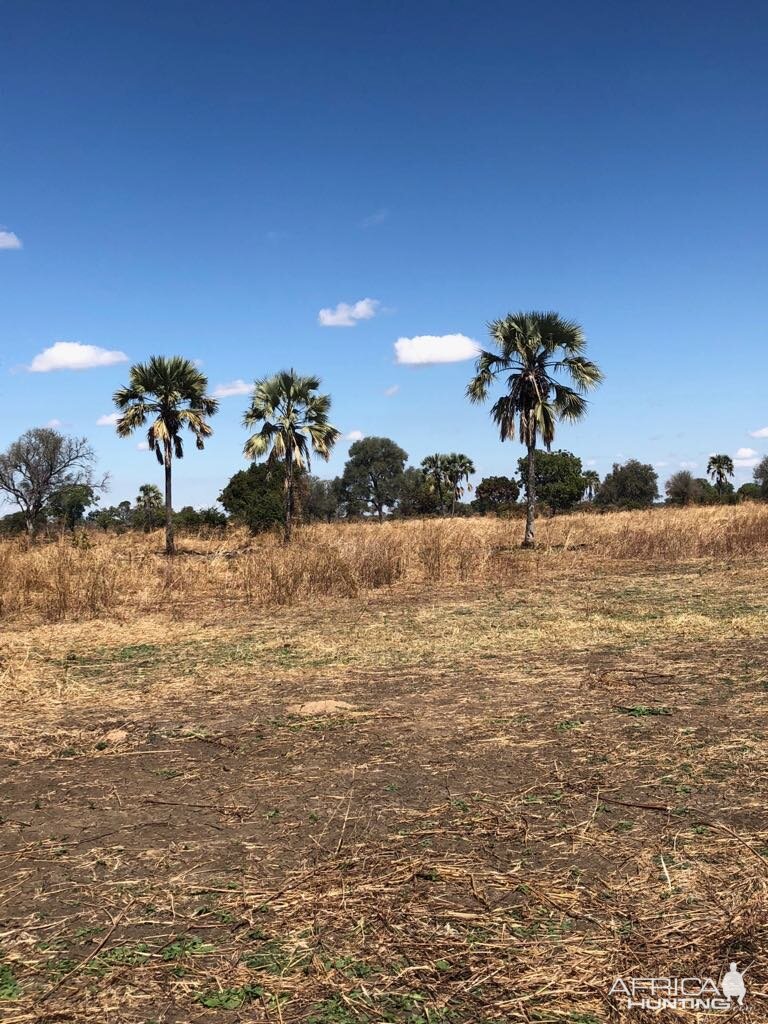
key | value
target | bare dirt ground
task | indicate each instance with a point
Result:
(531, 791)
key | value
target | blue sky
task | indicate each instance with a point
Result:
(205, 178)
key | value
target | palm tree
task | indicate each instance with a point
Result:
(433, 467)
(591, 483)
(294, 423)
(458, 468)
(720, 467)
(149, 501)
(532, 348)
(171, 392)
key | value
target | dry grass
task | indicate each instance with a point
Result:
(128, 575)
(552, 774)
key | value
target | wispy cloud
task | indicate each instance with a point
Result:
(354, 435)
(391, 391)
(374, 219)
(9, 240)
(142, 446)
(109, 419)
(762, 432)
(71, 355)
(745, 453)
(347, 315)
(431, 348)
(54, 424)
(687, 464)
(745, 463)
(234, 387)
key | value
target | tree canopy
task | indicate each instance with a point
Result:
(632, 485)
(540, 357)
(373, 473)
(559, 478)
(42, 463)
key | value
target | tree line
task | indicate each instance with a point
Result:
(537, 357)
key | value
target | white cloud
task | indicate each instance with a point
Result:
(391, 391)
(54, 424)
(71, 355)
(354, 435)
(346, 315)
(142, 446)
(591, 462)
(762, 432)
(8, 240)
(431, 348)
(234, 387)
(688, 465)
(745, 463)
(109, 419)
(375, 218)
(745, 453)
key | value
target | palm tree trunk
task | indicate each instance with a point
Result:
(288, 497)
(170, 547)
(530, 499)
(453, 503)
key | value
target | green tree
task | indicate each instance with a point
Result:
(114, 517)
(189, 518)
(294, 423)
(149, 504)
(68, 504)
(458, 469)
(417, 495)
(591, 484)
(683, 489)
(255, 497)
(172, 394)
(321, 501)
(559, 479)
(750, 492)
(496, 494)
(373, 473)
(633, 485)
(532, 349)
(41, 463)
(433, 467)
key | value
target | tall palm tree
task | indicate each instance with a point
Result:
(433, 468)
(294, 423)
(532, 348)
(172, 393)
(591, 483)
(458, 468)
(720, 467)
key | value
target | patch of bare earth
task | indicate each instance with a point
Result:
(482, 806)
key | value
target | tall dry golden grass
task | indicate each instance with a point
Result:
(126, 575)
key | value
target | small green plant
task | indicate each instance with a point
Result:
(120, 956)
(9, 987)
(274, 958)
(643, 711)
(186, 946)
(229, 998)
(568, 724)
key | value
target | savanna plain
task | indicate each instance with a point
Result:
(404, 772)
